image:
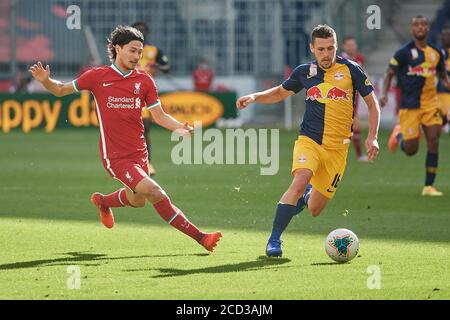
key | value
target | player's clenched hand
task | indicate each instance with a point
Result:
(39, 73)
(372, 148)
(383, 100)
(244, 101)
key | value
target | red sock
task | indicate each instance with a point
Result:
(116, 199)
(357, 143)
(176, 218)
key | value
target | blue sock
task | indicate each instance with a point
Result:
(283, 216)
(431, 164)
(400, 141)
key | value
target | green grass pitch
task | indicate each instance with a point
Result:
(48, 224)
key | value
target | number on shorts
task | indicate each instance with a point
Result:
(336, 180)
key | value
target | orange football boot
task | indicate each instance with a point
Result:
(430, 191)
(393, 142)
(210, 240)
(106, 214)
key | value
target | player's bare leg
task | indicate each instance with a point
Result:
(297, 187)
(149, 189)
(432, 134)
(410, 147)
(293, 201)
(135, 200)
(316, 203)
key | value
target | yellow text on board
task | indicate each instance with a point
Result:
(33, 113)
(187, 106)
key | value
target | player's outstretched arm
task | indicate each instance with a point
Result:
(374, 124)
(57, 88)
(386, 85)
(270, 96)
(169, 122)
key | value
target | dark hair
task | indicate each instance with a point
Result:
(322, 31)
(347, 38)
(419, 17)
(142, 27)
(121, 36)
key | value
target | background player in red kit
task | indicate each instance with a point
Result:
(203, 76)
(121, 92)
(350, 52)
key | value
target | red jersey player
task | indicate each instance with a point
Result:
(351, 52)
(203, 76)
(121, 92)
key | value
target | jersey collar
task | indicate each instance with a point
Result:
(336, 64)
(113, 66)
(421, 49)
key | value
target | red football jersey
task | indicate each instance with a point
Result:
(203, 79)
(119, 100)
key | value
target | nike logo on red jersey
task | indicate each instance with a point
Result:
(106, 84)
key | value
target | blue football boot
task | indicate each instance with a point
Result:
(273, 248)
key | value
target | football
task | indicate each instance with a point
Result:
(342, 245)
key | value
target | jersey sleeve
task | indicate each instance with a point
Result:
(398, 60)
(86, 81)
(151, 94)
(294, 83)
(360, 81)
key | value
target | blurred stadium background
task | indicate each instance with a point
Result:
(250, 44)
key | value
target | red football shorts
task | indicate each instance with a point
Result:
(129, 171)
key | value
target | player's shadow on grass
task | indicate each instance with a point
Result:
(80, 258)
(261, 262)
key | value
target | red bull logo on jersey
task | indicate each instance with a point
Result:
(326, 92)
(336, 93)
(424, 69)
